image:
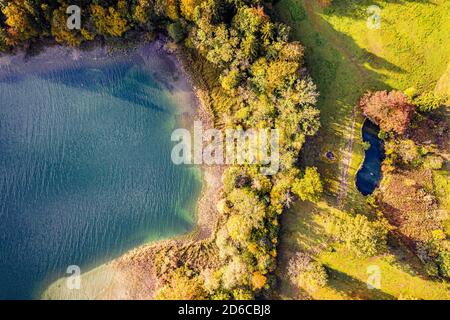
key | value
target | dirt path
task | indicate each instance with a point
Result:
(346, 161)
(348, 150)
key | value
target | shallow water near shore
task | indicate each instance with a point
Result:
(85, 168)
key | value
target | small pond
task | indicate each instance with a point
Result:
(369, 175)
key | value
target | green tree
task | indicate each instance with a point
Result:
(176, 31)
(310, 186)
(360, 236)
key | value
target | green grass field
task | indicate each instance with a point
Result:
(346, 58)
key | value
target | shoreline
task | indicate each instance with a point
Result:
(133, 275)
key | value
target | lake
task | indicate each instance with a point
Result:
(85, 167)
(369, 175)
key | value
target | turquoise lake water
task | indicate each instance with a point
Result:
(85, 168)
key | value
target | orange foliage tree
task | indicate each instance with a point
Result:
(391, 111)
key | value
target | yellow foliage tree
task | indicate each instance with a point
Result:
(182, 287)
(60, 31)
(172, 9)
(258, 280)
(20, 26)
(108, 21)
(187, 8)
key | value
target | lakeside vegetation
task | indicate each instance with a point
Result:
(251, 74)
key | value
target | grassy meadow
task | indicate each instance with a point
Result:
(410, 51)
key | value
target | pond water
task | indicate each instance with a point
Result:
(85, 167)
(369, 176)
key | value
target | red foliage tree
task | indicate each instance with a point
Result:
(391, 111)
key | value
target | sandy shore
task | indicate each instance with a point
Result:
(134, 275)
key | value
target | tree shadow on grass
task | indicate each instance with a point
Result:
(405, 258)
(354, 288)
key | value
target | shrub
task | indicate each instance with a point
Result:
(366, 145)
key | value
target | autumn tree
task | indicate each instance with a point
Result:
(182, 286)
(108, 21)
(20, 21)
(391, 111)
(60, 31)
(142, 13)
(303, 271)
(187, 8)
(258, 280)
